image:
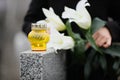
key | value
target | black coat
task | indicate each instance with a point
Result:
(98, 8)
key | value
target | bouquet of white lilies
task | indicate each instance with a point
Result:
(80, 16)
(74, 41)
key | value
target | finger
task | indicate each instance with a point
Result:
(96, 35)
(107, 44)
(102, 41)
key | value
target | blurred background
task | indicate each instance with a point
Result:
(12, 13)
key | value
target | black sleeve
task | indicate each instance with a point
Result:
(34, 14)
(114, 24)
(114, 29)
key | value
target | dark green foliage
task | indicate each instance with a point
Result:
(95, 57)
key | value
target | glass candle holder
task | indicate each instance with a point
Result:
(38, 37)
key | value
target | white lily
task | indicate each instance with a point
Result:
(59, 41)
(80, 16)
(54, 19)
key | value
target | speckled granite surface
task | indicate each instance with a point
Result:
(46, 65)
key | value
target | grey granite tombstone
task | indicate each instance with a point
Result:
(45, 65)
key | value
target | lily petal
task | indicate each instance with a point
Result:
(82, 4)
(68, 42)
(70, 13)
(80, 16)
(81, 8)
(53, 18)
(59, 41)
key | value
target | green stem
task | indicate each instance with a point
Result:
(69, 29)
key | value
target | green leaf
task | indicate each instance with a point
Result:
(79, 46)
(96, 24)
(87, 70)
(90, 39)
(103, 62)
(88, 64)
(116, 65)
(113, 50)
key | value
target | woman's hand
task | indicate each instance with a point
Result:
(102, 38)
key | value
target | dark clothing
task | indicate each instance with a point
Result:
(98, 8)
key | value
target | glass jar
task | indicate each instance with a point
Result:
(38, 37)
